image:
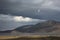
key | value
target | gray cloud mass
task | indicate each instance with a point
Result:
(30, 7)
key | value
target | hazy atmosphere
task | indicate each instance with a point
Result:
(15, 13)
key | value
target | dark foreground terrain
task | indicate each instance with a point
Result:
(34, 38)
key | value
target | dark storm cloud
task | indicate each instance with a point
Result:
(29, 8)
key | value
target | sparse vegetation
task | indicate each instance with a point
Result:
(31, 38)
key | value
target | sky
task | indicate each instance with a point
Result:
(14, 13)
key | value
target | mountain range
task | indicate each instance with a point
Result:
(49, 26)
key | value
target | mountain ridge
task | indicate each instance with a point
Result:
(49, 26)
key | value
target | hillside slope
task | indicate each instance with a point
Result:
(44, 27)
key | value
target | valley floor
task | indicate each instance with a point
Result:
(29, 37)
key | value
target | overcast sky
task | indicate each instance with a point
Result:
(14, 12)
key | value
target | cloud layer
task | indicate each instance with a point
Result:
(49, 9)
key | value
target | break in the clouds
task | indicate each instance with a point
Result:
(8, 22)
